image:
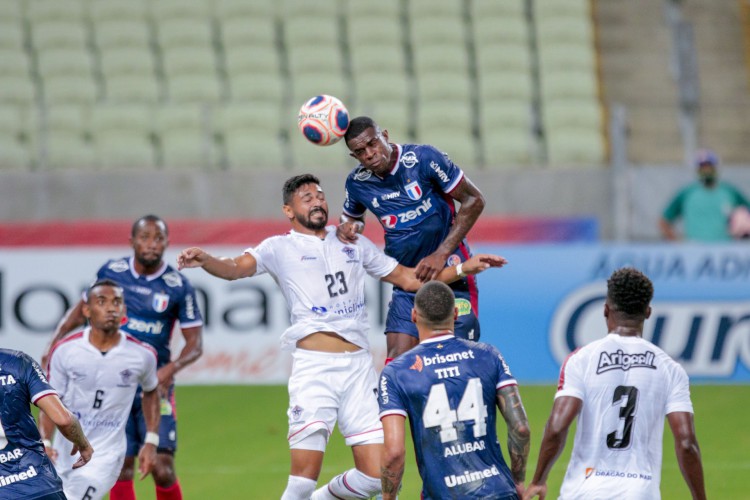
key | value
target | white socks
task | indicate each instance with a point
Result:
(298, 488)
(351, 485)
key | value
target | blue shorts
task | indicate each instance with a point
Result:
(399, 316)
(135, 430)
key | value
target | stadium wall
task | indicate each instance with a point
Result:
(643, 191)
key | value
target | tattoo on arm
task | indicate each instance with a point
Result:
(391, 480)
(511, 407)
(74, 434)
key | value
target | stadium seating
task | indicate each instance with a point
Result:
(184, 136)
(60, 136)
(430, 70)
(123, 136)
(14, 155)
(250, 134)
(575, 146)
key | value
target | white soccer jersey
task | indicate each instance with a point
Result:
(628, 386)
(323, 282)
(99, 389)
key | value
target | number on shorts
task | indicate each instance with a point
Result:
(437, 411)
(620, 439)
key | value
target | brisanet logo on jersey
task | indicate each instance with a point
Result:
(708, 338)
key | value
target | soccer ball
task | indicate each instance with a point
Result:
(323, 120)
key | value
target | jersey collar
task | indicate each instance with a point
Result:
(87, 333)
(398, 159)
(149, 277)
(439, 338)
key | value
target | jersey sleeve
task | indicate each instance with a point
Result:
(389, 396)
(504, 376)
(265, 256)
(35, 380)
(352, 206)
(571, 382)
(58, 377)
(149, 380)
(441, 171)
(376, 263)
(679, 394)
(189, 314)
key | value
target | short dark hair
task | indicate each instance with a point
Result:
(148, 218)
(294, 183)
(629, 292)
(102, 282)
(357, 126)
(435, 302)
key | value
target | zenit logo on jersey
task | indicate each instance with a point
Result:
(391, 221)
(620, 361)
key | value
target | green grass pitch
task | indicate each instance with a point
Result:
(233, 444)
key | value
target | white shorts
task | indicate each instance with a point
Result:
(328, 387)
(93, 480)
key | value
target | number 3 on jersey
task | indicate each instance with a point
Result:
(336, 284)
(626, 397)
(438, 412)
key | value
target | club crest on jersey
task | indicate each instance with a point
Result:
(350, 252)
(413, 190)
(409, 159)
(125, 375)
(453, 260)
(160, 302)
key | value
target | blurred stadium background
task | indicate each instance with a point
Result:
(578, 119)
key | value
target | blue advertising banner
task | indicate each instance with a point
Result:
(549, 300)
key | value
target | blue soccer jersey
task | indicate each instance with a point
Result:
(411, 202)
(154, 303)
(448, 389)
(416, 211)
(25, 470)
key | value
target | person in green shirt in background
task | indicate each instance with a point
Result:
(705, 206)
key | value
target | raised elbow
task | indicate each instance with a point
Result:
(393, 457)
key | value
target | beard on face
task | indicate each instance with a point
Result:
(306, 220)
(148, 262)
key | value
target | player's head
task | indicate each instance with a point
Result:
(305, 202)
(434, 308)
(104, 306)
(707, 163)
(368, 144)
(149, 238)
(629, 294)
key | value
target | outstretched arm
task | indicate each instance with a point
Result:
(406, 279)
(688, 453)
(394, 452)
(226, 268)
(472, 204)
(54, 413)
(511, 408)
(564, 411)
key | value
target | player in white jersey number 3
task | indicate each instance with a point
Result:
(621, 387)
(333, 379)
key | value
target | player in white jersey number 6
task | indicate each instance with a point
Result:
(333, 379)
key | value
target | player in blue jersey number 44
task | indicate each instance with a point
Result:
(448, 388)
(412, 190)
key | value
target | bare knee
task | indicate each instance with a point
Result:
(126, 473)
(164, 473)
